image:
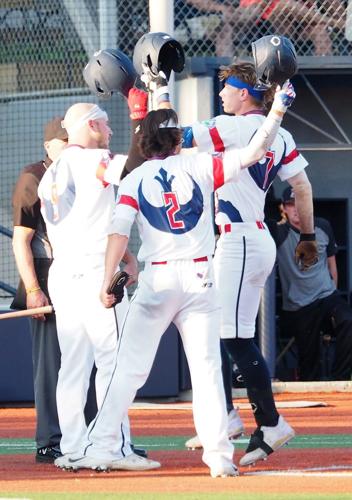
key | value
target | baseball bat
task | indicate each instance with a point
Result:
(28, 312)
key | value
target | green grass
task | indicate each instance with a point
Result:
(176, 443)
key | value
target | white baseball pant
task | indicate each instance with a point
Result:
(182, 292)
(244, 258)
(87, 333)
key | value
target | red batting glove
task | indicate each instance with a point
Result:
(137, 103)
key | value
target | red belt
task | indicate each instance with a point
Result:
(227, 228)
(200, 259)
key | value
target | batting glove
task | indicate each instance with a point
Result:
(284, 97)
(306, 253)
(137, 103)
(157, 84)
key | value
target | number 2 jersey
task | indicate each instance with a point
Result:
(171, 201)
(243, 201)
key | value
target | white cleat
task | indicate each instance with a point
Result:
(134, 462)
(75, 463)
(229, 470)
(266, 440)
(235, 430)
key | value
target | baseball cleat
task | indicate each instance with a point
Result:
(47, 454)
(134, 462)
(266, 440)
(229, 470)
(235, 430)
(74, 463)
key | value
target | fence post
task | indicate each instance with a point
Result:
(161, 18)
(267, 323)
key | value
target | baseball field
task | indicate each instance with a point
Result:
(317, 464)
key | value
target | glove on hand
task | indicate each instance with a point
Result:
(284, 97)
(306, 253)
(137, 103)
(116, 286)
(157, 84)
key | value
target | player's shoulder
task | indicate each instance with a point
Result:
(34, 170)
(323, 224)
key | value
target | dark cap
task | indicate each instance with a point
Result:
(53, 130)
(288, 195)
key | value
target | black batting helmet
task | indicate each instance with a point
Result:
(275, 60)
(159, 52)
(108, 71)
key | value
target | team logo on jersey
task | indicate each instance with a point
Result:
(59, 193)
(209, 123)
(172, 216)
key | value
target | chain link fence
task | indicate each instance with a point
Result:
(44, 45)
(227, 28)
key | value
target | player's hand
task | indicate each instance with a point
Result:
(284, 97)
(137, 103)
(157, 85)
(107, 299)
(306, 253)
(37, 299)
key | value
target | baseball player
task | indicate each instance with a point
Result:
(169, 197)
(77, 198)
(245, 252)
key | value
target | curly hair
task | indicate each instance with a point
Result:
(245, 71)
(159, 141)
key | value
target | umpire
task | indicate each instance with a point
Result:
(33, 258)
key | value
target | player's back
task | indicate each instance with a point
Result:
(173, 199)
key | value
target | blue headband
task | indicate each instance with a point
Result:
(236, 82)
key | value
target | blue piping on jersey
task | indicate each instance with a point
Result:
(241, 282)
(227, 208)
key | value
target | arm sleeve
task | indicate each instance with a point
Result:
(126, 210)
(25, 201)
(217, 169)
(134, 158)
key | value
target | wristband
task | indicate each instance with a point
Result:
(32, 290)
(307, 237)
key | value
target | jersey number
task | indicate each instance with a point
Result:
(172, 208)
(269, 165)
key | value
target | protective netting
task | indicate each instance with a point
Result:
(44, 45)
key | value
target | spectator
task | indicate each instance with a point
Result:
(310, 299)
(213, 21)
(295, 19)
(33, 257)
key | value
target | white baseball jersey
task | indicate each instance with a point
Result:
(243, 201)
(77, 198)
(171, 202)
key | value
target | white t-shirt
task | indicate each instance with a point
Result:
(77, 201)
(171, 200)
(243, 201)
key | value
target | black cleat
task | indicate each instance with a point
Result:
(47, 454)
(139, 451)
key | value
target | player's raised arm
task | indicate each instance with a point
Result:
(265, 135)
